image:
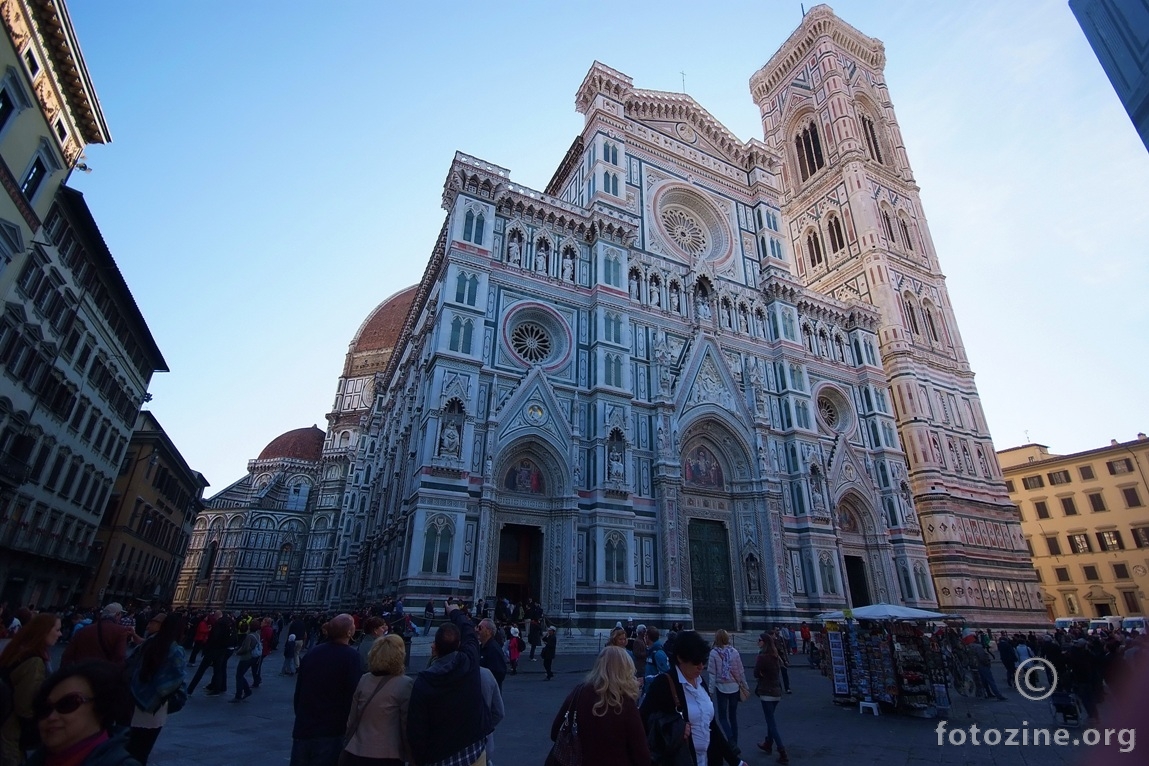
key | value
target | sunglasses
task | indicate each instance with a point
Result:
(69, 703)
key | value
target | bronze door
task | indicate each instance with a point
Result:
(711, 585)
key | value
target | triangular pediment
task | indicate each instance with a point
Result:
(534, 409)
(708, 381)
(681, 117)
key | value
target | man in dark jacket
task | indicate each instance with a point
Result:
(490, 653)
(328, 675)
(446, 718)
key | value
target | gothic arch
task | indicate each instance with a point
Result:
(725, 447)
(532, 466)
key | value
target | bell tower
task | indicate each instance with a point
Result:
(858, 233)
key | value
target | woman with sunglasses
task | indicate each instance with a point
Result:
(76, 707)
(24, 662)
(683, 692)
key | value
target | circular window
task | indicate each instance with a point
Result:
(692, 224)
(828, 411)
(685, 230)
(535, 334)
(834, 410)
(531, 341)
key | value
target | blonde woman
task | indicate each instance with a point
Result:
(727, 679)
(618, 637)
(377, 725)
(609, 726)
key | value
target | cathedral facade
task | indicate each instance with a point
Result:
(695, 378)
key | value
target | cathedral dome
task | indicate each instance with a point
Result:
(377, 336)
(300, 444)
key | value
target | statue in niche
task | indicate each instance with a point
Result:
(655, 295)
(675, 304)
(541, 261)
(514, 253)
(615, 469)
(703, 308)
(449, 441)
(568, 266)
(661, 439)
(752, 576)
(726, 315)
(633, 286)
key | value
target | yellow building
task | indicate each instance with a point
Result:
(1085, 518)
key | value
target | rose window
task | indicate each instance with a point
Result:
(828, 411)
(685, 230)
(531, 342)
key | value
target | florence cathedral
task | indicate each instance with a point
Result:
(695, 379)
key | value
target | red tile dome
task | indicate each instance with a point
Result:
(377, 336)
(300, 444)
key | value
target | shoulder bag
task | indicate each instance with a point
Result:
(567, 749)
(666, 734)
(343, 759)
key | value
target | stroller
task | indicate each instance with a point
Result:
(1066, 708)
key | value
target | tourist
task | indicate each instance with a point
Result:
(24, 662)
(76, 710)
(727, 679)
(605, 704)
(328, 676)
(618, 637)
(767, 669)
(682, 689)
(157, 676)
(548, 654)
(375, 726)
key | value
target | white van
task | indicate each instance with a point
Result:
(1107, 624)
(1065, 623)
(1134, 623)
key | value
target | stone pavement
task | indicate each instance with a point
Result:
(210, 730)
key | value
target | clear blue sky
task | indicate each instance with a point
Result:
(276, 171)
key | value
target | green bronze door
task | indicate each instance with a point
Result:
(711, 586)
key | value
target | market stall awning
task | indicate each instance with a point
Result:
(886, 612)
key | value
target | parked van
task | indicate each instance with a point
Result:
(1134, 623)
(1110, 623)
(1065, 623)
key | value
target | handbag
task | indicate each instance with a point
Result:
(567, 749)
(743, 691)
(666, 734)
(178, 699)
(343, 759)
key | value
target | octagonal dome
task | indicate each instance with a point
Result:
(376, 338)
(300, 444)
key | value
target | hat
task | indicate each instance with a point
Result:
(291, 637)
(514, 631)
(551, 629)
(640, 629)
(618, 624)
(113, 608)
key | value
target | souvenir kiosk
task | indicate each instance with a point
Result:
(884, 657)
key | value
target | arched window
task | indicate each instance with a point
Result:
(906, 233)
(871, 139)
(613, 371)
(931, 327)
(828, 572)
(610, 152)
(466, 288)
(610, 183)
(911, 314)
(437, 546)
(207, 561)
(614, 556)
(923, 581)
(461, 335)
(808, 147)
(814, 248)
(612, 271)
(283, 565)
(837, 241)
(473, 227)
(889, 228)
(614, 328)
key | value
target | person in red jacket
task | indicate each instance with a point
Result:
(605, 708)
(202, 630)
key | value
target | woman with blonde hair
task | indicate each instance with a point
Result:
(727, 680)
(618, 637)
(606, 710)
(24, 662)
(377, 725)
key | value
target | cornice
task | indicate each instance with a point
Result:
(820, 21)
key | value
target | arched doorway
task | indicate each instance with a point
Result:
(520, 570)
(853, 523)
(706, 494)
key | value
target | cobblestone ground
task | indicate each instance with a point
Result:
(210, 730)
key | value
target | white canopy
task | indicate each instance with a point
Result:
(886, 612)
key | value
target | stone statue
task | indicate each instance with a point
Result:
(615, 470)
(568, 267)
(703, 308)
(541, 261)
(674, 299)
(515, 253)
(655, 297)
(634, 286)
(449, 441)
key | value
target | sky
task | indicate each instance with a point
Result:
(276, 171)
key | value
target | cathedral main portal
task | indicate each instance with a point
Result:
(520, 572)
(711, 584)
